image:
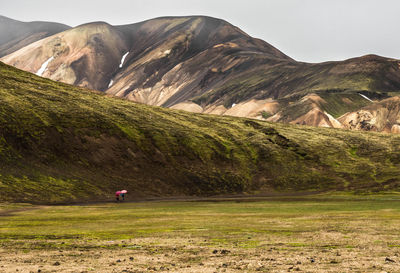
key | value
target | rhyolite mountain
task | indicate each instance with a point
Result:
(62, 143)
(381, 116)
(206, 65)
(16, 34)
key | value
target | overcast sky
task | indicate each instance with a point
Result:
(306, 30)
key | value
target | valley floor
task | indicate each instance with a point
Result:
(280, 234)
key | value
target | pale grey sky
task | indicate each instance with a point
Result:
(306, 30)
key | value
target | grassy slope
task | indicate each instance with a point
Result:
(62, 143)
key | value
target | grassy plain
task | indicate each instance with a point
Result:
(321, 233)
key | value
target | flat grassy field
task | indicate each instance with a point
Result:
(279, 234)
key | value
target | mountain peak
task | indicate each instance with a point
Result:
(94, 24)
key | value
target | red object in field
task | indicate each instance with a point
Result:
(124, 191)
(118, 193)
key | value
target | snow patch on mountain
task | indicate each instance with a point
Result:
(123, 59)
(335, 123)
(110, 84)
(365, 97)
(44, 66)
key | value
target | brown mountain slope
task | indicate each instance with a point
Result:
(206, 65)
(15, 35)
(176, 59)
(150, 51)
(82, 56)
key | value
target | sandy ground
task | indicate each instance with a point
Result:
(187, 255)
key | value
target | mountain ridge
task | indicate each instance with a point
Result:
(204, 64)
(15, 34)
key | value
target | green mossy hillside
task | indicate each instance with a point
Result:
(60, 143)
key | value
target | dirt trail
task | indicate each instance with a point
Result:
(217, 198)
(220, 198)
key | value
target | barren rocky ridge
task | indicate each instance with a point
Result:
(15, 35)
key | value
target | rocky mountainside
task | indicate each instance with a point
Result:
(206, 65)
(61, 143)
(15, 34)
(383, 116)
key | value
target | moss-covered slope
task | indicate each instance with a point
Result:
(63, 143)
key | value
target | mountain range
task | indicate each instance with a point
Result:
(206, 65)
